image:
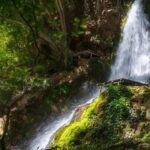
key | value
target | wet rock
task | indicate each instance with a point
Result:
(79, 112)
(148, 114)
(2, 124)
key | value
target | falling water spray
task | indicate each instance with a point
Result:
(133, 54)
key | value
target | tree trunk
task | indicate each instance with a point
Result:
(61, 15)
(63, 26)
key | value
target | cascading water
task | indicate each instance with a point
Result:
(133, 54)
(45, 133)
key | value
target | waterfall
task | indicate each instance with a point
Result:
(44, 134)
(133, 54)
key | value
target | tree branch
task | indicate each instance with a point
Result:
(61, 15)
(12, 21)
(27, 23)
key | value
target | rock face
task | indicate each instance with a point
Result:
(79, 112)
(118, 119)
(103, 26)
(148, 114)
(2, 122)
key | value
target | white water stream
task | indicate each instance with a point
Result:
(132, 62)
(46, 131)
(133, 55)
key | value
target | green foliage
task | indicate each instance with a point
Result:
(58, 97)
(8, 60)
(146, 138)
(63, 90)
(40, 69)
(115, 112)
(4, 96)
(116, 91)
(30, 21)
(15, 64)
(79, 27)
(102, 122)
(72, 134)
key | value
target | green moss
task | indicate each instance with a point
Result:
(81, 131)
(105, 121)
(115, 92)
(146, 138)
(91, 110)
(71, 132)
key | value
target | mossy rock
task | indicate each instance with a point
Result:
(69, 134)
(112, 121)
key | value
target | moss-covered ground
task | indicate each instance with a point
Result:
(118, 119)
